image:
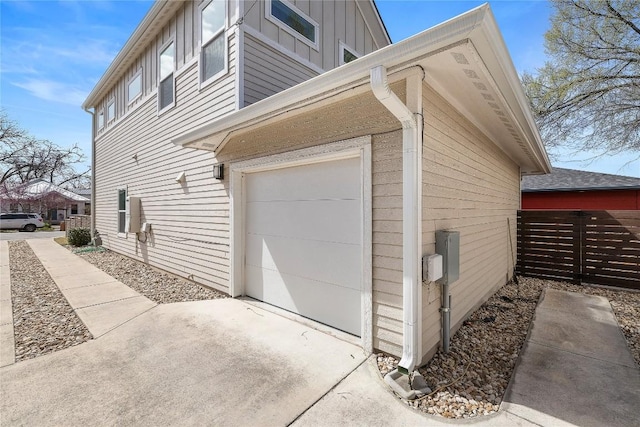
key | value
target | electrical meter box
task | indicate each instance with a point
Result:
(448, 245)
(132, 218)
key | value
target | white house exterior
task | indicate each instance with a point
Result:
(334, 181)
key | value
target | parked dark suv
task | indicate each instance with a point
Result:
(21, 221)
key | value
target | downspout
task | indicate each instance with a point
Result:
(93, 174)
(411, 211)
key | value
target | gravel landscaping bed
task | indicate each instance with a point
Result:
(158, 286)
(471, 379)
(43, 320)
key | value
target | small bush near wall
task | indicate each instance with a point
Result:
(79, 237)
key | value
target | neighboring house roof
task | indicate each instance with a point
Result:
(86, 192)
(561, 179)
(464, 59)
(40, 188)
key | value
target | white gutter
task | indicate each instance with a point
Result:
(411, 209)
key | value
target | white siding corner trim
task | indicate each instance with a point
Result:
(352, 148)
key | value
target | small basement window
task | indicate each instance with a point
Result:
(134, 88)
(294, 20)
(213, 39)
(166, 92)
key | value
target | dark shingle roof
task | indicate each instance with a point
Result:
(570, 179)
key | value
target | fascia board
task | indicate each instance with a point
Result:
(353, 74)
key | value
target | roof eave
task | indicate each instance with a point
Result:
(476, 27)
(344, 77)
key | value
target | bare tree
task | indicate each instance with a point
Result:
(587, 96)
(24, 158)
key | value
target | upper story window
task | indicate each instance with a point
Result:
(294, 20)
(213, 39)
(100, 119)
(134, 88)
(166, 92)
(111, 110)
(347, 54)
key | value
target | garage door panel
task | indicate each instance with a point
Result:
(308, 182)
(323, 262)
(307, 298)
(303, 240)
(334, 221)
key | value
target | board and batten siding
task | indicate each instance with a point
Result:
(471, 186)
(337, 20)
(184, 29)
(268, 71)
(190, 221)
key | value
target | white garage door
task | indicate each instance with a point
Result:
(303, 241)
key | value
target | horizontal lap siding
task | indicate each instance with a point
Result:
(470, 186)
(386, 156)
(267, 71)
(190, 222)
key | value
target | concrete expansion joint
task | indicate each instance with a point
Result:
(125, 322)
(521, 417)
(366, 359)
(107, 302)
(564, 350)
(91, 285)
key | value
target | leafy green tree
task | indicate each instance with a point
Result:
(587, 96)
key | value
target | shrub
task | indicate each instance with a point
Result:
(79, 236)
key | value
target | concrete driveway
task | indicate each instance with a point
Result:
(221, 362)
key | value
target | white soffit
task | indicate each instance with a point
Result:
(461, 77)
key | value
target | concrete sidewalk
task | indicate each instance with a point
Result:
(575, 366)
(100, 301)
(575, 369)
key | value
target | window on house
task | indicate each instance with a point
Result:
(167, 66)
(134, 88)
(348, 56)
(100, 119)
(74, 209)
(122, 209)
(301, 24)
(111, 110)
(213, 38)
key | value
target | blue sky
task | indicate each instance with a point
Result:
(53, 52)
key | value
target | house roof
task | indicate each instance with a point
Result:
(464, 59)
(561, 179)
(39, 187)
(83, 191)
(159, 15)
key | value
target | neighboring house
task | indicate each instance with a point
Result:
(86, 193)
(54, 203)
(321, 198)
(580, 190)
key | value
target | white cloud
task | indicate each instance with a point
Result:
(53, 91)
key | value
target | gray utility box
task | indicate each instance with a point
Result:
(448, 245)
